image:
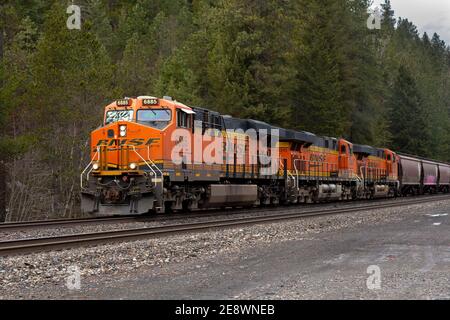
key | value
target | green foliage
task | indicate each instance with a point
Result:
(317, 89)
(410, 122)
(68, 78)
(307, 64)
(17, 146)
(234, 61)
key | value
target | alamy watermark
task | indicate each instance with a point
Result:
(374, 20)
(373, 282)
(250, 147)
(74, 20)
(73, 280)
(258, 148)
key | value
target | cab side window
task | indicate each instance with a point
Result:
(183, 119)
(343, 149)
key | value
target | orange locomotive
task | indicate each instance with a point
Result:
(150, 156)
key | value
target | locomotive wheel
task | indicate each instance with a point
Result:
(168, 207)
(186, 205)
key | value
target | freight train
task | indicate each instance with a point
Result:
(154, 155)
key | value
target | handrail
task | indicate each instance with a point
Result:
(329, 166)
(296, 171)
(363, 176)
(373, 173)
(148, 165)
(90, 163)
(148, 157)
(288, 173)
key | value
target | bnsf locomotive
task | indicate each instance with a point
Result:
(132, 168)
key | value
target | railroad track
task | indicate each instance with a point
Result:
(85, 239)
(54, 223)
(58, 223)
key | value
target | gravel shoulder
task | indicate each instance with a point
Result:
(319, 258)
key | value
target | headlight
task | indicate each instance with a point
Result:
(133, 166)
(95, 166)
(123, 131)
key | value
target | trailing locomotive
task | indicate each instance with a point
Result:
(158, 155)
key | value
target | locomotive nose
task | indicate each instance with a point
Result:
(123, 169)
(125, 146)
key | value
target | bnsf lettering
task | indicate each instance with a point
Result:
(133, 142)
(136, 142)
(151, 140)
(102, 143)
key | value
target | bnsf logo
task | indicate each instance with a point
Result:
(133, 142)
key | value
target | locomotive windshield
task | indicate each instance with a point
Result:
(156, 118)
(118, 115)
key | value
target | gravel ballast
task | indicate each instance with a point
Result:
(44, 275)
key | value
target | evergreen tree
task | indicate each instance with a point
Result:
(409, 121)
(181, 74)
(96, 12)
(71, 83)
(245, 66)
(388, 19)
(14, 77)
(362, 79)
(323, 88)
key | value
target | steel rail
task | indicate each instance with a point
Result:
(21, 225)
(54, 223)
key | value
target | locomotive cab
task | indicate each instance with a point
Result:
(347, 160)
(391, 165)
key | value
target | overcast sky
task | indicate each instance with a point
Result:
(428, 15)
